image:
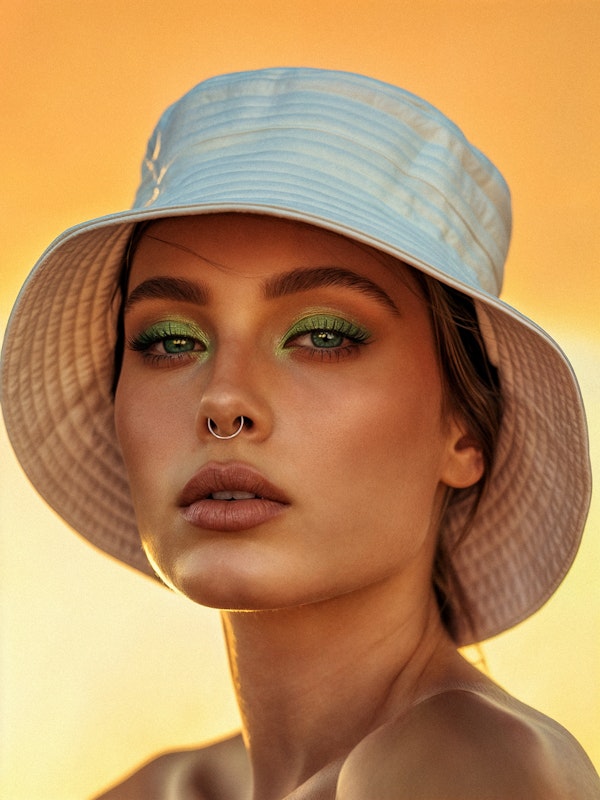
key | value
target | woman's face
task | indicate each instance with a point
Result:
(325, 348)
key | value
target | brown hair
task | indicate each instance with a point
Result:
(471, 392)
(120, 297)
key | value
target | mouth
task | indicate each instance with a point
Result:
(230, 497)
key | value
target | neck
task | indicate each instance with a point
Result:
(314, 680)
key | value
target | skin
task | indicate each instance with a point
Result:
(354, 435)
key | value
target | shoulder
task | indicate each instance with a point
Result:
(185, 773)
(465, 745)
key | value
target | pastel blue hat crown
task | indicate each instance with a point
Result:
(368, 156)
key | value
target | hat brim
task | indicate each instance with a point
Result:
(57, 374)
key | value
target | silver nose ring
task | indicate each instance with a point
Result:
(210, 424)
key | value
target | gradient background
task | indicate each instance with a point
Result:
(100, 668)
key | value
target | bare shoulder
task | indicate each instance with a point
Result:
(216, 770)
(465, 745)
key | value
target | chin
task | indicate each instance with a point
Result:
(236, 574)
(241, 590)
(219, 585)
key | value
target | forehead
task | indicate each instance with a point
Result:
(255, 246)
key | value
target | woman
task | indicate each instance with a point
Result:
(284, 385)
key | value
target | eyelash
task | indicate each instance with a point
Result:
(326, 326)
(162, 333)
(320, 324)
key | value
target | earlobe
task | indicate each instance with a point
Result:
(464, 464)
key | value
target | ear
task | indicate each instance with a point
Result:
(463, 465)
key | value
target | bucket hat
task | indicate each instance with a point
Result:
(369, 161)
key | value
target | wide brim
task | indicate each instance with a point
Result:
(57, 373)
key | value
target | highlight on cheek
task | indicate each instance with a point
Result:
(168, 341)
(325, 336)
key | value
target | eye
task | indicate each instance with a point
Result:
(169, 341)
(325, 336)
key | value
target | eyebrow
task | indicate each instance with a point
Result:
(165, 288)
(296, 281)
(302, 280)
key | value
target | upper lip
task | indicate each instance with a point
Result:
(235, 477)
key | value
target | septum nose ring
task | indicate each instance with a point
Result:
(210, 424)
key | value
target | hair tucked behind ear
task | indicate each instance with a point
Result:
(471, 392)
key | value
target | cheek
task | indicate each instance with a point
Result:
(388, 413)
(375, 450)
(397, 450)
(150, 428)
(131, 424)
(150, 432)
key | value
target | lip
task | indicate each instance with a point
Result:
(199, 509)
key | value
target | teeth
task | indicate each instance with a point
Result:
(233, 496)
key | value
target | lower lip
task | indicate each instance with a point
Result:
(231, 515)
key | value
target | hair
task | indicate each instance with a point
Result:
(470, 392)
(120, 296)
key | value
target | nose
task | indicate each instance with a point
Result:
(233, 401)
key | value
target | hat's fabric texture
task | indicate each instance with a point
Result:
(376, 164)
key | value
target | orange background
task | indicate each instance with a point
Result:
(100, 668)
